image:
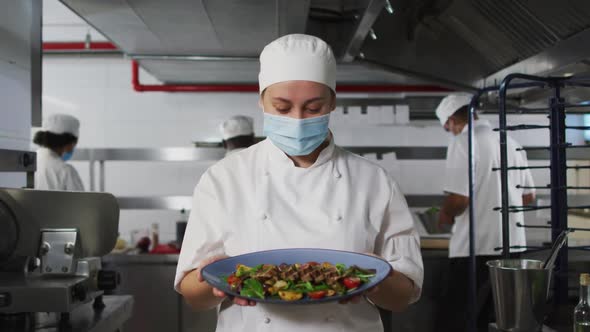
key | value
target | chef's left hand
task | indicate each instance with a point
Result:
(357, 298)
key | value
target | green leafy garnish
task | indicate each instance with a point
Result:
(320, 287)
(432, 210)
(290, 285)
(256, 268)
(365, 277)
(304, 286)
(242, 270)
(252, 288)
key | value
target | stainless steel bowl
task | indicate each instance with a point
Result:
(430, 222)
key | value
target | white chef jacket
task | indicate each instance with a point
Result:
(55, 174)
(258, 200)
(233, 151)
(488, 194)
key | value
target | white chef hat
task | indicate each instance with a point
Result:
(451, 104)
(237, 126)
(62, 124)
(297, 57)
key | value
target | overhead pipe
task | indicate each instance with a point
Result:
(139, 87)
(66, 47)
(72, 47)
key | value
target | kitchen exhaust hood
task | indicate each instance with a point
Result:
(455, 43)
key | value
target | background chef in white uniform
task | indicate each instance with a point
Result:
(237, 133)
(57, 140)
(298, 189)
(453, 114)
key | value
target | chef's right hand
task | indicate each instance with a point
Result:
(218, 292)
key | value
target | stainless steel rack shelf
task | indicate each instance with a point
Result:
(212, 151)
(185, 202)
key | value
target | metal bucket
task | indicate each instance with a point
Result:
(520, 288)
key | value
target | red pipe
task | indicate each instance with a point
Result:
(79, 46)
(186, 87)
(137, 86)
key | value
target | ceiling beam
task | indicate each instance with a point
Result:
(421, 76)
(362, 29)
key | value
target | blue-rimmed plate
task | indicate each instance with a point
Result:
(214, 272)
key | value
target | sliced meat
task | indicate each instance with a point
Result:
(266, 274)
(305, 273)
(331, 275)
(289, 273)
(317, 274)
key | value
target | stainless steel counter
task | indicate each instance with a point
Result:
(140, 259)
(150, 279)
(185, 202)
(85, 319)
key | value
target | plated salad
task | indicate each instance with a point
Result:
(292, 282)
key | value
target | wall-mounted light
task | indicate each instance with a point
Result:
(388, 7)
(372, 34)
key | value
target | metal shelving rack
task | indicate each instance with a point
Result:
(212, 152)
(557, 151)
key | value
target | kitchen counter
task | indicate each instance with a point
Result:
(150, 279)
(141, 272)
(117, 311)
(140, 259)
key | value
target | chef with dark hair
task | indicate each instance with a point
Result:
(57, 140)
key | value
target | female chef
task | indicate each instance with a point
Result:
(297, 189)
(57, 139)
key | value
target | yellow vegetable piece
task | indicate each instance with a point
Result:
(281, 284)
(290, 296)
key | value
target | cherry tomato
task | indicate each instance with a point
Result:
(317, 294)
(232, 280)
(351, 282)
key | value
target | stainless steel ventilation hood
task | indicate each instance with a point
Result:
(458, 43)
(469, 43)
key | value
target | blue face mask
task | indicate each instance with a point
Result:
(296, 137)
(67, 155)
